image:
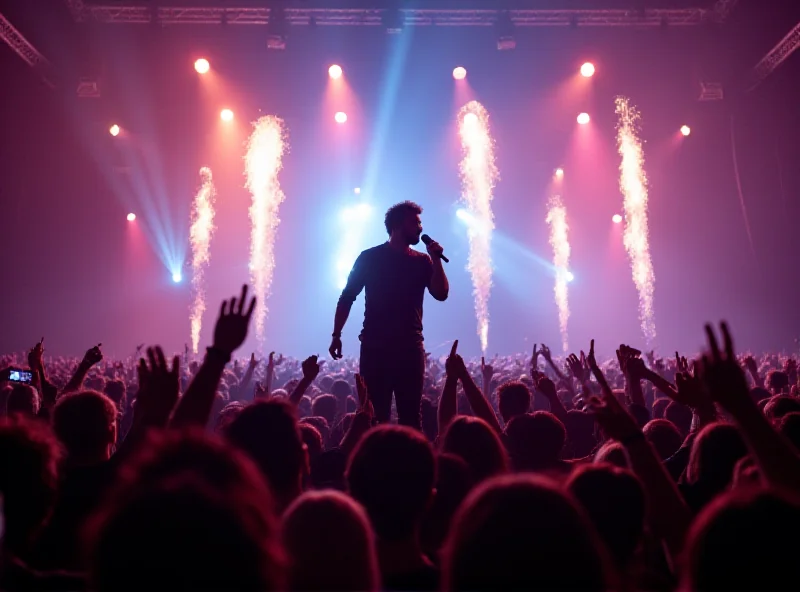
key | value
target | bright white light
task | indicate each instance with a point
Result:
(357, 190)
(616, 218)
(570, 276)
(583, 118)
(177, 277)
(685, 130)
(131, 217)
(587, 70)
(460, 73)
(202, 66)
(114, 130)
(470, 118)
(340, 117)
(335, 71)
(559, 172)
(353, 223)
(342, 283)
(226, 115)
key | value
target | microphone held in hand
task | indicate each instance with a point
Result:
(428, 240)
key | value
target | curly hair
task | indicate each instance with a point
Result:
(397, 213)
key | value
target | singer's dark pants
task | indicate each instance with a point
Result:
(398, 371)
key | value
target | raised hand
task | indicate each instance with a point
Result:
(253, 361)
(232, 323)
(454, 365)
(545, 386)
(35, 361)
(487, 371)
(722, 374)
(159, 386)
(590, 359)
(535, 357)
(92, 356)
(575, 367)
(545, 351)
(614, 419)
(335, 350)
(310, 368)
(681, 364)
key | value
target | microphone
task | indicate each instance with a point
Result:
(428, 240)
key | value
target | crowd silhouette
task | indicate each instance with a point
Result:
(528, 472)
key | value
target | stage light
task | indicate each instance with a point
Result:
(583, 118)
(340, 117)
(226, 115)
(587, 70)
(685, 130)
(559, 172)
(114, 130)
(201, 66)
(335, 71)
(616, 218)
(470, 118)
(131, 217)
(357, 190)
(177, 277)
(460, 73)
(570, 276)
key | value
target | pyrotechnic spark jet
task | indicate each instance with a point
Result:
(263, 162)
(478, 177)
(633, 184)
(200, 237)
(559, 240)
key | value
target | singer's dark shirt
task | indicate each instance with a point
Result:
(395, 286)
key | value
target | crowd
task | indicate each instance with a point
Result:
(529, 472)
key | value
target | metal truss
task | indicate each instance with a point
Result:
(776, 56)
(210, 15)
(21, 46)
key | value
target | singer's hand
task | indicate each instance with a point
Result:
(336, 348)
(435, 250)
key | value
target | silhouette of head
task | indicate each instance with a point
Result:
(473, 440)
(664, 437)
(535, 441)
(23, 399)
(86, 424)
(403, 221)
(513, 399)
(392, 473)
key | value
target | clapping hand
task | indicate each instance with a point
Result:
(232, 323)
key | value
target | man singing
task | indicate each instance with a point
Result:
(395, 277)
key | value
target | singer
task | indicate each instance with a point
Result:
(394, 277)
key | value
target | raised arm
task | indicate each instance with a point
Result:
(448, 403)
(477, 402)
(310, 372)
(92, 357)
(355, 283)
(230, 332)
(241, 388)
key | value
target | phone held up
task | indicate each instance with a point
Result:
(16, 375)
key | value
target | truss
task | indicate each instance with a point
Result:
(776, 56)
(214, 15)
(20, 45)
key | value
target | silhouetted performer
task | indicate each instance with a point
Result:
(395, 277)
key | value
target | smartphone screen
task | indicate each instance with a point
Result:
(19, 376)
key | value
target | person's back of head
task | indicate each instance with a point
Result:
(29, 456)
(777, 381)
(268, 432)
(759, 394)
(312, 439)
(86, 424)
(744, 540)
(476, 442)
(664, 436)
(23, 400)
(789, 426)
(660, 407)
(535, 441)
(392, 473)
(780, 405)
(613, 453)
(188, 511)
(520, 532)
(513, 399)
(715, 452)
(116, 391)
(326, 406)
(322, 425)
(680, 415)
(453, 484)
(329, 543)
(341, 390)
(614, 500)
(580, 433)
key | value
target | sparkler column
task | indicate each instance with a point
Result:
(263, 162)
(633, 184)
(559, 240)
(200, 233)
(478, 177)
